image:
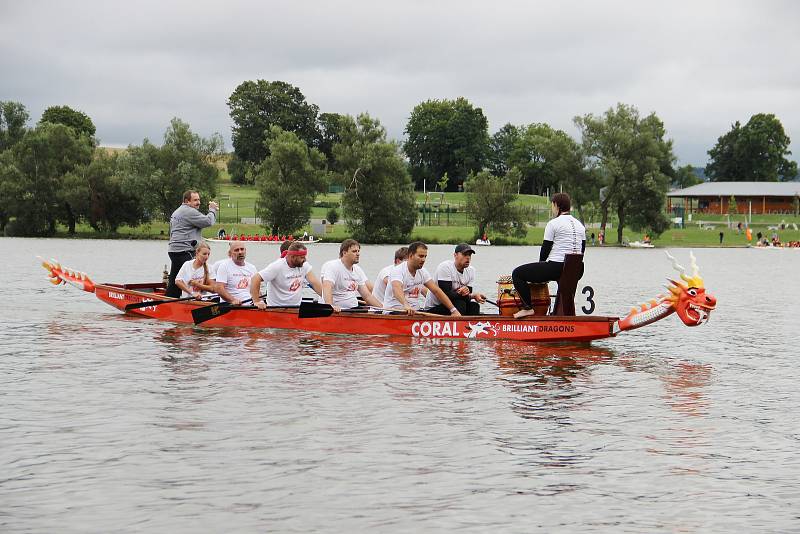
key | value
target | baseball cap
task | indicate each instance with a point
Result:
(464, 248)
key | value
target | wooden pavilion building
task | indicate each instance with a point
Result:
(750, 198)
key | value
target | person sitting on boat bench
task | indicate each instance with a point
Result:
(379, 287)
(194, 278)
(563, 235)
(285, 278)
(185, 225)
(455, 277)
(343, 280)
(232, 279)
(407, 279)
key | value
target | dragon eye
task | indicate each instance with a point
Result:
(693, 292)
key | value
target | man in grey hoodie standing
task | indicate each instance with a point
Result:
(185, 227)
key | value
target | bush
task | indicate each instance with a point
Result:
(332, 215)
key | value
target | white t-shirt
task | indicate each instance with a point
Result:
(284, 283)
(379, 289)
(212, 270)
(447, 272)
(188, 273)
(412, 286)
(236, 278)
(345, 282)
(567, 234)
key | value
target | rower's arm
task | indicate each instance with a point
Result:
(447, 287)
(366, 294)
(327, 291)
(181, 284)
(397, 291)
(315, 283)
(444, 299)
(544, 252)
(255, 288)
(219, 289)
(205, 287)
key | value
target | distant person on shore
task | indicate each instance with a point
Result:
(721, 237)
(592, 237)
(221, 233)
(185, 226)
(563, 235)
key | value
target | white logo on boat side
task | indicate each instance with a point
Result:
(118, 296)
(451, 329)
(481, 328)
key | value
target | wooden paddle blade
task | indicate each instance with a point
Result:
(206, 313)
(309, 310)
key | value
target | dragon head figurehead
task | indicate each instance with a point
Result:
(688, 297)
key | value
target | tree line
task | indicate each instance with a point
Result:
(54, 173)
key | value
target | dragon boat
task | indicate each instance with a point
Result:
(687, 298)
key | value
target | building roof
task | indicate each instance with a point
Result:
(739, 189)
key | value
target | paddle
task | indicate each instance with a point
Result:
(206, 313)
(311, 310)
(147, 303)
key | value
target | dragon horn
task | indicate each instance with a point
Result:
(695, 268)
(675, 265)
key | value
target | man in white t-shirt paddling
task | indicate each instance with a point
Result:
(285, 278)
(343, 280)
(232, 279)
(379, 289)
(407, 279)
(455, 277)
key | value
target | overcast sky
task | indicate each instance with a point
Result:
(132, 66)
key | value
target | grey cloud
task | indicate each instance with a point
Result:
(132, 67)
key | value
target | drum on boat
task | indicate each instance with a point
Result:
(509, 302)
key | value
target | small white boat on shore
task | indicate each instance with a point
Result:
(640, 244)
(483, 242)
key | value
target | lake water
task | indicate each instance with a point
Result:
(112, 423)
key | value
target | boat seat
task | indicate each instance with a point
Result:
(567, 284)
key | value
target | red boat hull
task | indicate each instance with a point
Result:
(537, 328)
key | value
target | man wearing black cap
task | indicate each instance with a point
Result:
(455, 277)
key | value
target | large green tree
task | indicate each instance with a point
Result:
(330, 127)
(160, 175)
(13, 118)
(501, 148)
(67, 116)
(288, 180)
(490, 203)
(634, 163)
(446, 136)
(685, 177)
(755, 152)
(97, 194)
(32, 173)
(378, 202)
(258, 105)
